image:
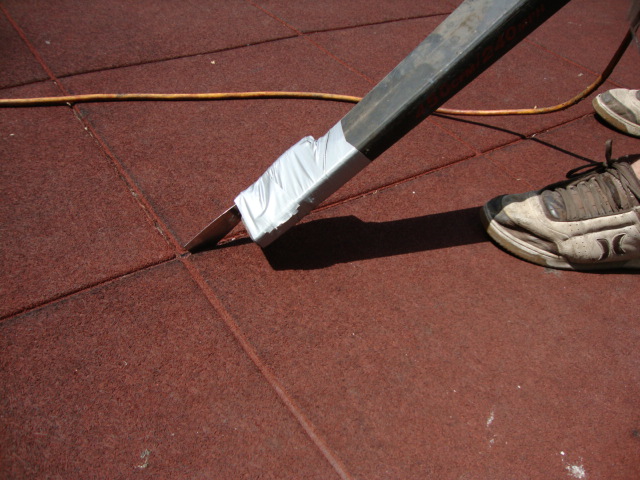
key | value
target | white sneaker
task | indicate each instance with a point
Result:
(585, 223)
(620, 108)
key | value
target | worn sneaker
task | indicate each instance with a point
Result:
(620, 108)
(589, 222)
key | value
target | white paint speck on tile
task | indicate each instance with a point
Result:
(576, 471)
(490, 419)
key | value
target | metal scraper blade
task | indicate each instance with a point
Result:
(216, 230)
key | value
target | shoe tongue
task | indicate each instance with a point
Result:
(554, 204)
(556, 208)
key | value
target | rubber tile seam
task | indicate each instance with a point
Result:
(213, 300)
(247, 347)
(568, 60)
(344, 63)
(456, 162)
(32, 49)
(243, 234)
(70, 294)
(373, 24)
(533, 138)
(24, 84)
(297, 33)
(176, 57)
(179, 253)
(136, 192)
(269, 376)
(429, 171)
(138, 195)
(397, 183)
(433, 121)
(307, 35)
(335, 29)
(145, 204)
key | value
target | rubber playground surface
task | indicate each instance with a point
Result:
(384, 337)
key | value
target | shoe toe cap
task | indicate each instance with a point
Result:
(514, 218)
(505, 209)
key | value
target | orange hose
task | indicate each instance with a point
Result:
(127, 97)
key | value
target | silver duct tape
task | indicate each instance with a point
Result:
(297, 182)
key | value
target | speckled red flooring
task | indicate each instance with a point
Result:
(385, 337)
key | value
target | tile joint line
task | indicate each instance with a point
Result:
(269, 376)
(307, 426)
(90, 286)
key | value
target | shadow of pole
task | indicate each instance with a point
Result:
(532, 138)
(322, 243)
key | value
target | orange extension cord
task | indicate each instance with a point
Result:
(126, 97)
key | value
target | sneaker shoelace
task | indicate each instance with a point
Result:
(594, 190)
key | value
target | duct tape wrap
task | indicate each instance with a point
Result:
(298, 181)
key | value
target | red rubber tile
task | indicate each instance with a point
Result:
(309, 15)
(194, 165)
(588, 32)
(17, 64)
(547, 158)
(68, 221)
(421, 350)
(141, 378)
(525, 77)
(76, 37)
(375, 50)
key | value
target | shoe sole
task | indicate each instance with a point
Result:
(615, 121)
(539, 257)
